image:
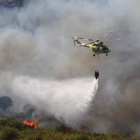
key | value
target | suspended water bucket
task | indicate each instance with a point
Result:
(96, 74)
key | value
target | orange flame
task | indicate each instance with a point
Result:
(32, 124)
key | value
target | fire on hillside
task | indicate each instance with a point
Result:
(32, 123)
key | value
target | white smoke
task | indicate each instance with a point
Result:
(66, 100)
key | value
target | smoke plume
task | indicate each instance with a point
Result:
(67, 100)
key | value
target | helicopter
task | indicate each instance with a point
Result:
(97, 47)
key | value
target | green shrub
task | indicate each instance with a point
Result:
(100, 138)
(115, 135)
(83, 138)
(135, 136)
(14, 124)
(59, 128)
(35, 137)
(9, 133)
(2, 122)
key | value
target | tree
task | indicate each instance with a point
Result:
(9, 133)
(5, 102)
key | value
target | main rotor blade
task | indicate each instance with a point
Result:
(114, 40)
(84, 38)
(106, 35)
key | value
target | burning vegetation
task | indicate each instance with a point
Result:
(31, 123)
(11, 128)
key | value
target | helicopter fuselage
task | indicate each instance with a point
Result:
(98, 49)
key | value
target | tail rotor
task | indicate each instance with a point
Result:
(74, 40)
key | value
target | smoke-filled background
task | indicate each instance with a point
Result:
(37, 53)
